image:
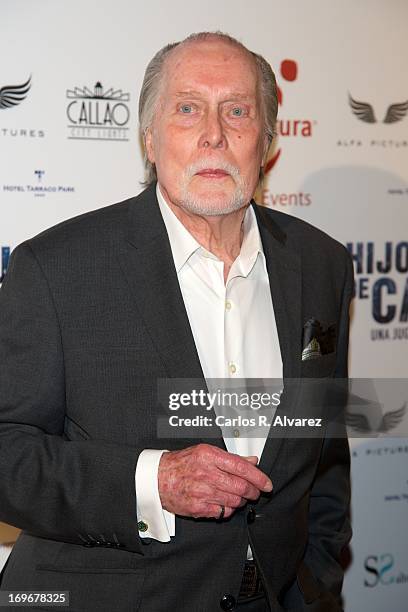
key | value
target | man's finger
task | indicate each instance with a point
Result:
(214, 511)
(229, 483)
(234, 464)
(251, 458)
(214, 495)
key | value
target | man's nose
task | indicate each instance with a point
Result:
(213, 131)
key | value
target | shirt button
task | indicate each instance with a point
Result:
(228, 305)
(232, 368)
(142, 526)
(236, 433)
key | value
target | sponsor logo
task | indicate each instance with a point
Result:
(381, 571)
(39, 174)
(40, 187)
(381, 280)
(380, 451)
(365, 112)
(288, 127)
(12, 95)
(5, 256)
(380, 131)
(21, 133)
(98, 113)
(267, 198)
(361, 423)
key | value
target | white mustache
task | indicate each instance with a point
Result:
(206, 164)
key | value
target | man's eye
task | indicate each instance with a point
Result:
(186, 108)
(237, 111)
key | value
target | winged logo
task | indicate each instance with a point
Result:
(362, 110)
(11, 95)
(396, 112)
(389, 421)
(365, 112)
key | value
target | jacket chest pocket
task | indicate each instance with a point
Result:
(319, 367)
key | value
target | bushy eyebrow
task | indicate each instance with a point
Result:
(196, 94)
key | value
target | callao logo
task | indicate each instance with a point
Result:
(288, 127)
(98, 113)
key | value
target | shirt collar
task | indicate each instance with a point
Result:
(184, 245)
(251, 246)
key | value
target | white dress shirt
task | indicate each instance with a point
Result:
(234, 330)
(5, 550)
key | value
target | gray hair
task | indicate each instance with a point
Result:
(150, 91)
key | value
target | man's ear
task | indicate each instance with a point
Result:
(149, 145)
(267, 146)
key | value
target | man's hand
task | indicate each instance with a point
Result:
(199, 479)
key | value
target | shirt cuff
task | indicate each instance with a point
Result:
(153, 521)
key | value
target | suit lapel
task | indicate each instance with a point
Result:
(147, 263)
(284, 271)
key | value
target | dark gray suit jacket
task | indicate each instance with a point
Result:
(91, 315)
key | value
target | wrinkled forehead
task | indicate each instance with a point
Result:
(196, 62)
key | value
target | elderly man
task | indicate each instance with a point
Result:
(191, 279)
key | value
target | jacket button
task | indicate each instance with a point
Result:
(251, 516)
(227, 602)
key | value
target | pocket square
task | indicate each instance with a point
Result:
(317, 341)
